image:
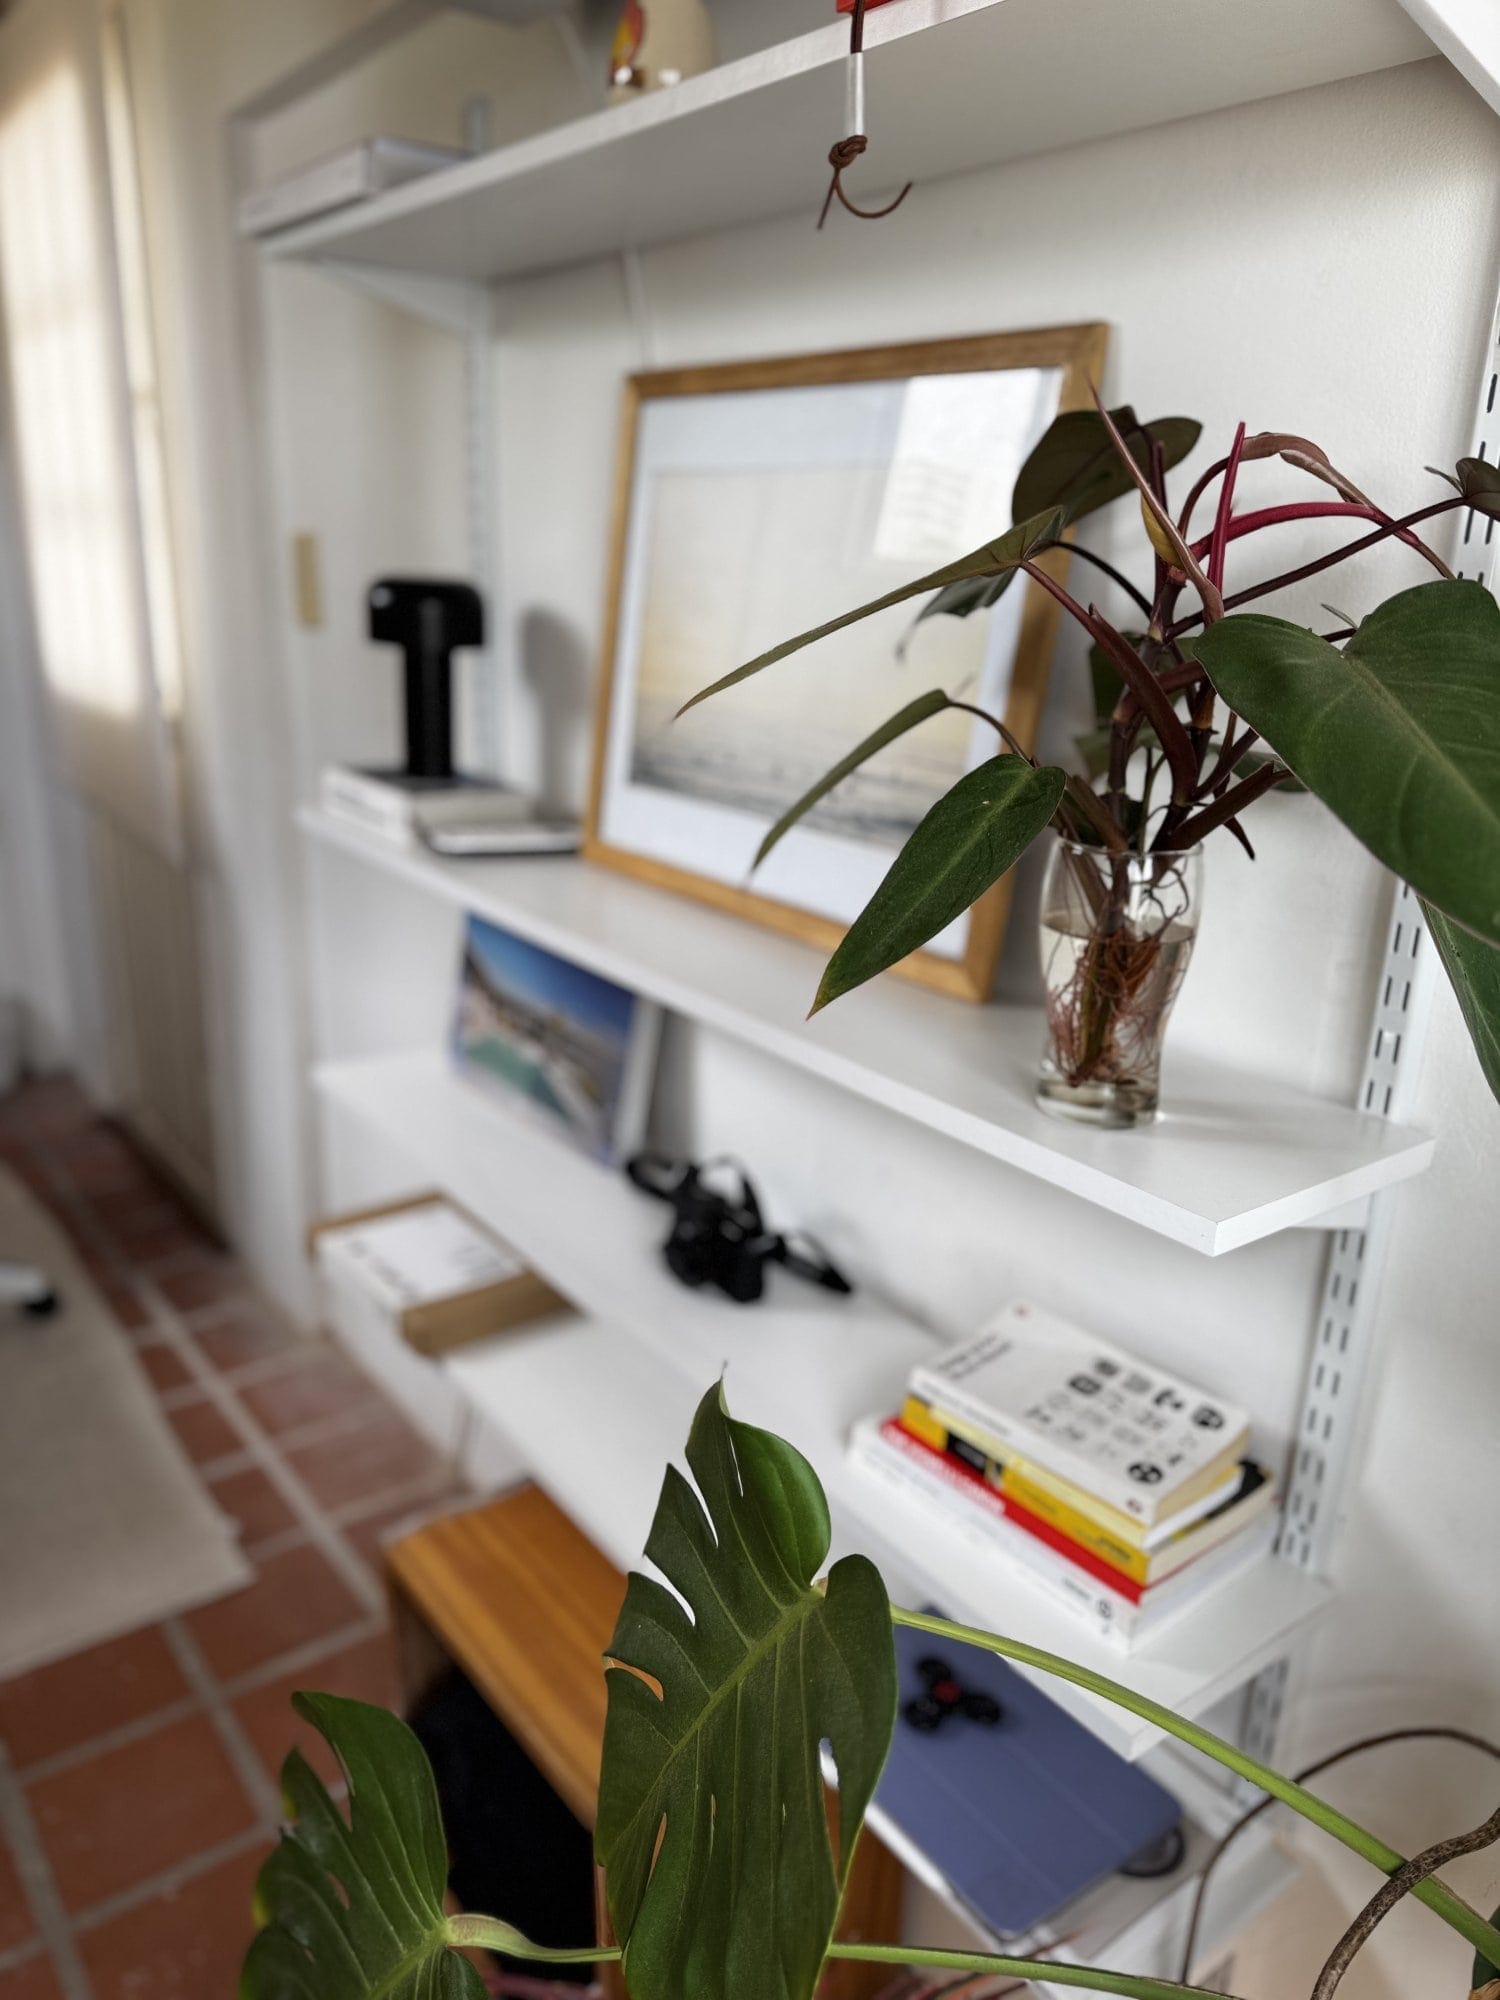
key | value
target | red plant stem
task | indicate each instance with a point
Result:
(1190, 831)
(1199, 489)
(1088, 556)
(1320, 563)
(1313, 510)
(1220, 537)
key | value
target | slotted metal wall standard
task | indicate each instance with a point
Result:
(1344, 1341)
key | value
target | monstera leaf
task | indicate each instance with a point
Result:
(996, 562)
(354, 1910)
(965, 844)
(1399, 733)
(722, 1881)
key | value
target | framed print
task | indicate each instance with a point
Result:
(757, 500)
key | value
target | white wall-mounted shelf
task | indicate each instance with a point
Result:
(953, 85)
(599, 1407)
(1235, 1159)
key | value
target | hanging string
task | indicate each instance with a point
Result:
(847, 151)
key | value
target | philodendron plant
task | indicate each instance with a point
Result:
(723, 1878)
(1202, 707)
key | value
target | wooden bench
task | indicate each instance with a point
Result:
(514, 1595)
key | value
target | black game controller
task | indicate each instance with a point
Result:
(944, 1697)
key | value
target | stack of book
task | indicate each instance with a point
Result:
(1123, 1491)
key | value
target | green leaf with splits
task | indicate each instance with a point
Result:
(354, 1909)
(722, 1880)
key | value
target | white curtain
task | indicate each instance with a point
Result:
(82, 418)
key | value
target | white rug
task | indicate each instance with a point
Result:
(104, 1525)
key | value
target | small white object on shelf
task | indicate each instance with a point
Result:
(392, 805)
(343, 178)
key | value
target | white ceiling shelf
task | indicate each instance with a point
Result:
(953, 85)
(599, 1406)
(1234, 1159)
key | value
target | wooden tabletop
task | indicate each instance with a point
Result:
(525, 1605)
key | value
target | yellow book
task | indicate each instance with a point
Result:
(1109, 1533)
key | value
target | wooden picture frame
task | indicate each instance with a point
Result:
(620, 832)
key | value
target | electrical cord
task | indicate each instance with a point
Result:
(1433, 1733)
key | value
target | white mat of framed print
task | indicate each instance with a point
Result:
(758, 500)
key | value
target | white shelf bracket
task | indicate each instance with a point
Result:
(451, 304)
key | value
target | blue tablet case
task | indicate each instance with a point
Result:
(1020, 1817)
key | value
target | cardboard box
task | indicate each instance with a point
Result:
(428, 1270)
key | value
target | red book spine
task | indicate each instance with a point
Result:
(1006, 1509)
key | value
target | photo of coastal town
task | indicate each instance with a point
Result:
(557, 1038)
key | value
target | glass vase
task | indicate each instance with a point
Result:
(1116, 936)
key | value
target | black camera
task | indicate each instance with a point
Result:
(719, 1236)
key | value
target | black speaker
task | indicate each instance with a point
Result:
(515, 1850)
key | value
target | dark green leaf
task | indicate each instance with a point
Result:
(739, 1898)
(970, 838)
(1399, 733)
(996, 559)
(1479, 483)
(925, 705)
(1474, 968)
(356, 1910)
(1076, 467)
(958, 600)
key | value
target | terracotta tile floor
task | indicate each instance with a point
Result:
(137, 1780)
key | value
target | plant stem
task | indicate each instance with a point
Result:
(1087, 555)
(489, 1934)
(1132, 1985)
(1451, 1908)
(1291, 576)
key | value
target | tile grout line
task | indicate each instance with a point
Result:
(40, 1884)
(296, 1659)
(16, 1957)
(109, 1263)
(59, 1761)
(170, 1880)
(231, 1733)
(266, 1457)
